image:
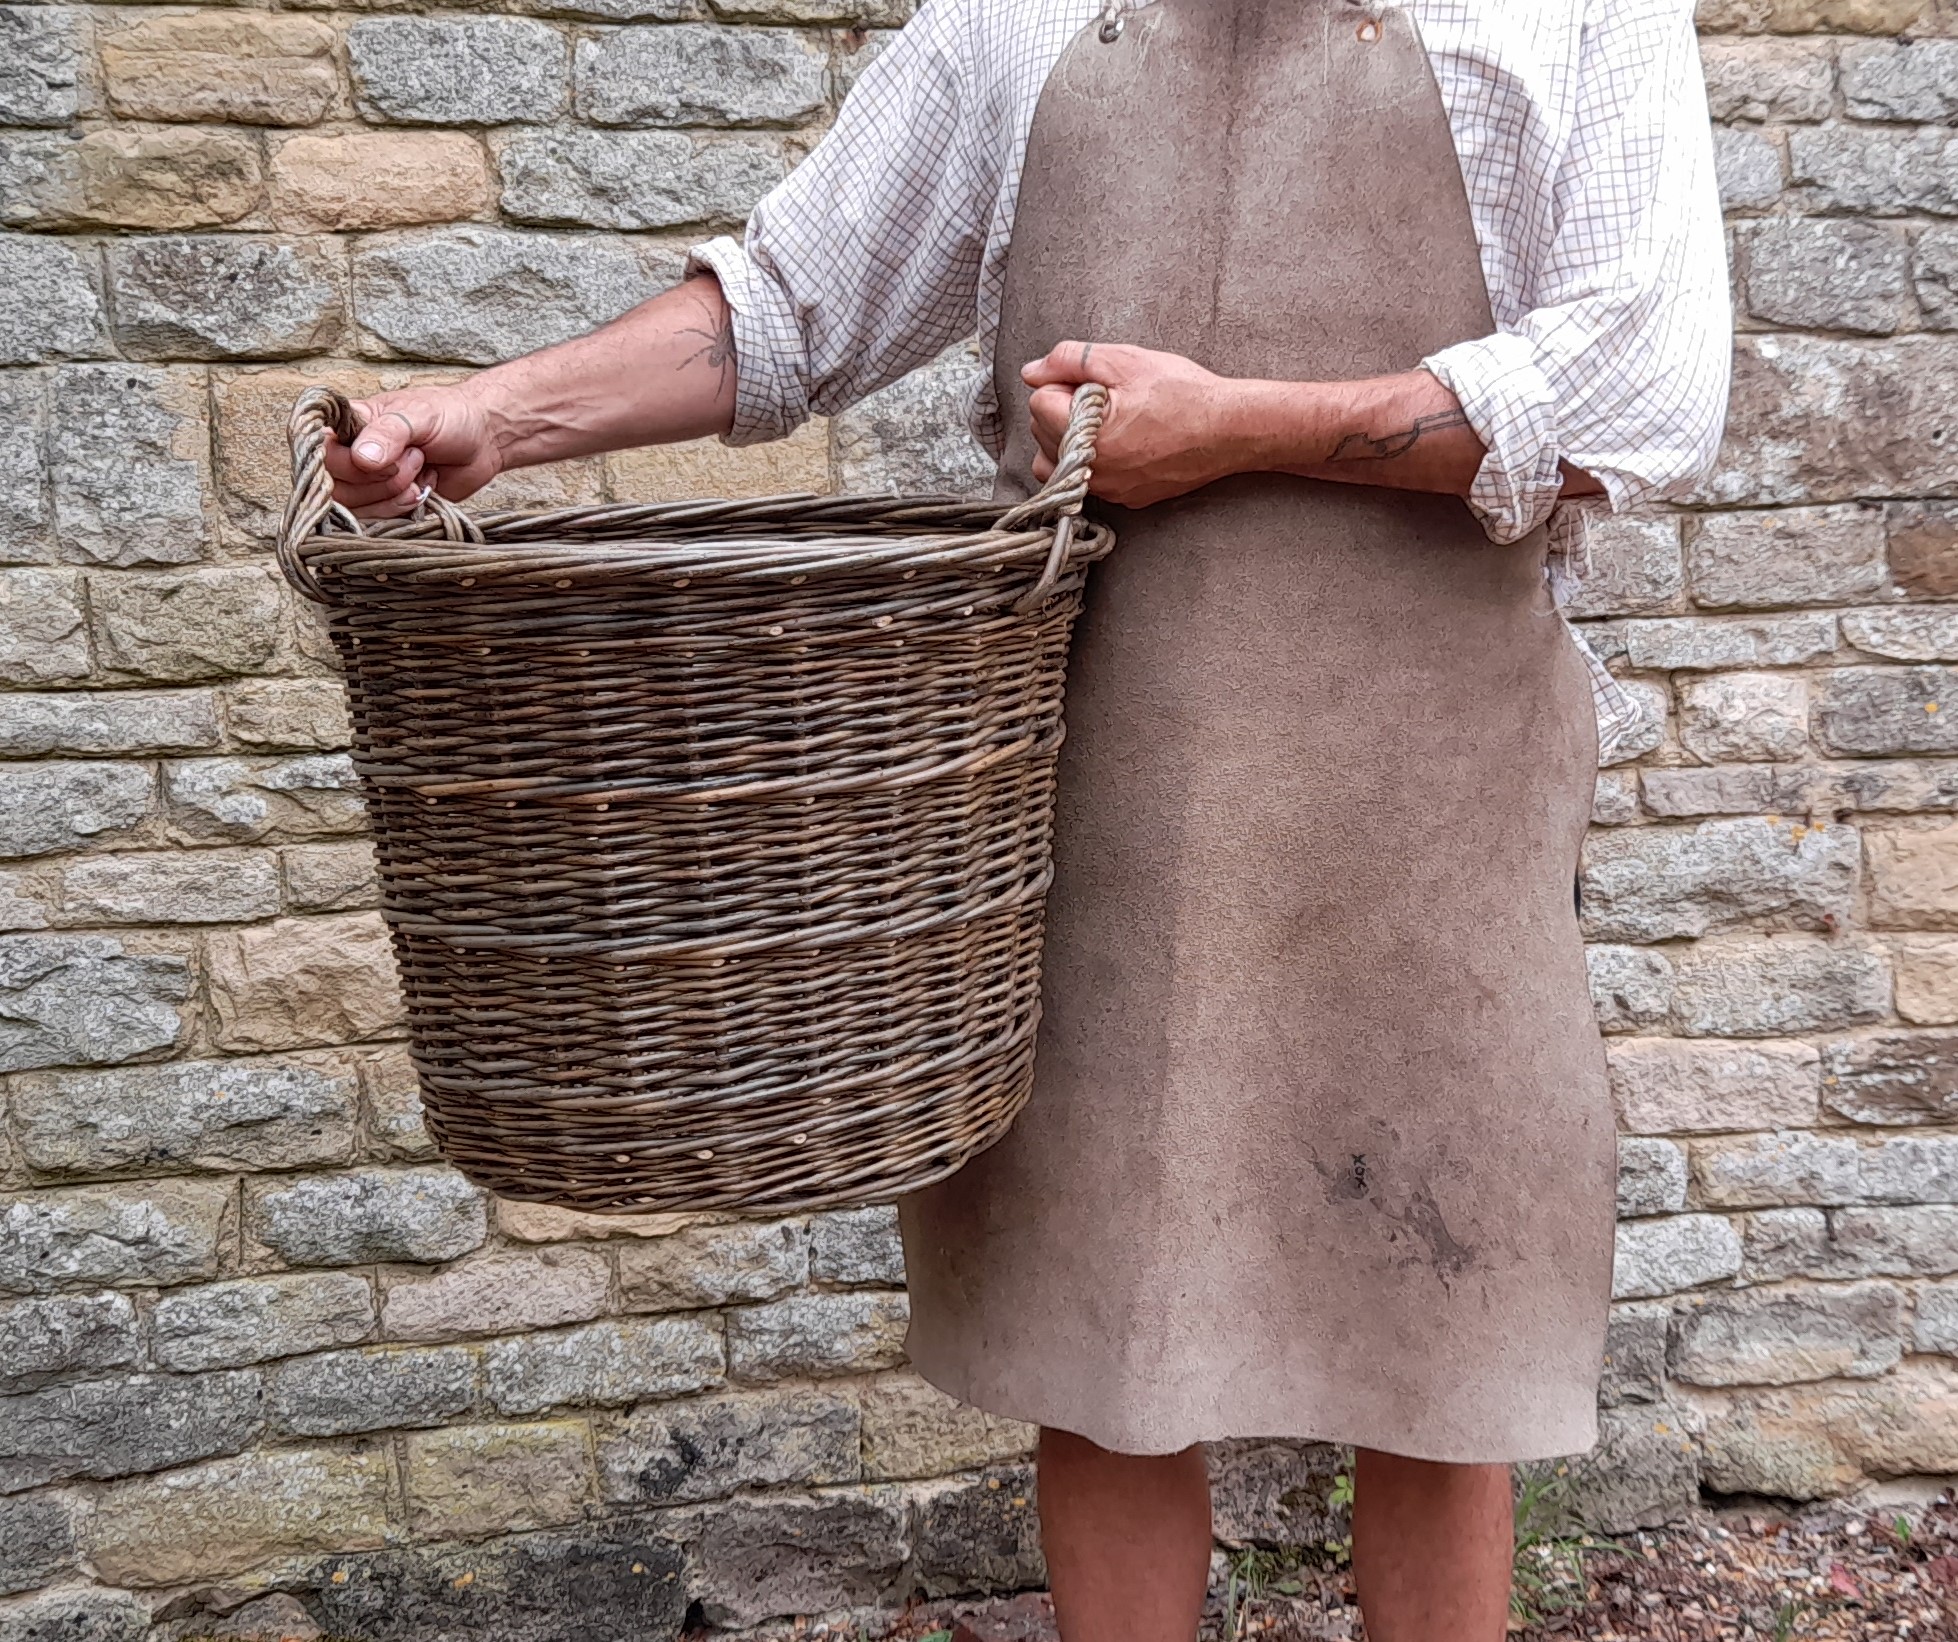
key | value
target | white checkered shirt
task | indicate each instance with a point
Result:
(1583, 136)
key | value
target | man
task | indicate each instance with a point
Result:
(1319, 1144)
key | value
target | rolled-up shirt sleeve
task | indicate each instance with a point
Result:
(1619, 364)
(864, 263)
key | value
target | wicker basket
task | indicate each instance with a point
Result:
(714, 836)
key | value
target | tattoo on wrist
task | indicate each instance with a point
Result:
(1364, 447)
(717, 344)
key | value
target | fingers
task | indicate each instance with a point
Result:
(410, 475)
(1067, 364)
(1048, 409)
(385, 432)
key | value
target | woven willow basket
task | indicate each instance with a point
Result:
(713, 836)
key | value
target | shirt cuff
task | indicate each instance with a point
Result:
(771, 396)
(1513, 409)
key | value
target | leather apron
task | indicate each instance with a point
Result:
(1319, 1144)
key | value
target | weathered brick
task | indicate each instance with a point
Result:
(366, 1215)
(64, 806)
(497, 1479)
(1901, 79)
(65, 319)
(122, 178)
(978, 1530)
(37, 1543)
(230, 1515)
(1698, 644)
(1614, 798)
(757, 1559)
(1748, 168)
(1768, 79)
(1651, 1177)
(1784, 556)
(1911, 1169)
(1904, 635)
(1635, 566)
(26, 508)
(303, 981)
(128, 454)
(43, 632)
(500, 1293)
(707, 1448)
(817, 1335)
(1810, 16)
(379, 179)
(1744, 716)
(712, 1265)
(1936, 1326)
(64, 1334)
(394, 1112)
(457, 70)
(1926, 968)
(1670, 1253)
(1934, 273)
(543, 1223)
(1883, 169)
(114, 1428)
(1777, 988)
(1800, 789)
(85, 1000)
(603, 1364)
(246, 800)
(288, 714)
(339, 1393)
(692, 74)
(1635, 1353)
(41, 52)
(706, 467)
(198, 887)
(1829, 274)
(1791, 1166)
(912, 435)
(166, 1231)
(77, 1615)
(1630, 987)
(572, 177)
(96, 722)
(191, 625)
(862, 14)
(255, 1319)
(1783, 1336)
(1921, 1239)
(1865, 710)
(1777, 1244)
(211, 296)
(1914, 879)
(1924, 547)
(235, 68)
(1664, 1086)
(857, 1246)
(330, 877)
(1665, 883)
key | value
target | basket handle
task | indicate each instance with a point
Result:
(1066, 487)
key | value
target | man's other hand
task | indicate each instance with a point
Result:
(435, 437)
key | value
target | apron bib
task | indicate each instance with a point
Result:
(1319, 1144)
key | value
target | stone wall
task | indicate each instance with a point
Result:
(262, 1356)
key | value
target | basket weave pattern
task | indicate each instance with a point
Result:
(713, 837)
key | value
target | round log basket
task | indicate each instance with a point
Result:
(713, 836)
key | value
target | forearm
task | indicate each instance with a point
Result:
(662, 371)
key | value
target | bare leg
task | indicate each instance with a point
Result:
(1127, 1538)
(1433, 1547)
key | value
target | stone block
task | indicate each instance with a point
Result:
(1904, 635)
(709, 1447)
(200, 887)
(330, 877)
(1787, 1167)
(395, 1123)
(759, 1559)
(1778, 988)
(379, 179)
(37, 1543)
(1649, 704)
(864, 16)
(1635, 566)
(857, 1246)
(1651, 1177)
(288, 714)
(541, 1223)
(500, 1293)
(912, 1429)
(208, 296)
(1829, 274)
(979, 1533)
(26, 508)
(115, 1428)
(187, 1114)
(1668, 883)
(1747, 167)
(1810, 16)
(604, 1364)
(303, 981)
(1831, 419)
(1859, 711)
(40, 176)
(70, 806)
(1934, 273)
(231, 1515)
(1901, 79)
(493, 1479)
(1926, 968)
(338, 1393)
(43, 633)
(255, 1319)
(152, 1232)
(64, 1334)
(1665, 1086)
(1631, 987)
(1784, 1335)
(1777, 1244)
(1272, 1493)
(1697, 644)
(912, 435)
(714, 1265)
(1920, 1240)
(1935, 1328)
(77, 1615)
(479, 295)
(65, 319)
(1911, 1169)
(572, 177)
(817, 1335)
(41, 52)
(1914, 879)
(1643, 1471)
(94, 723)
(1635, 1353)
(695, 74)
(1892, 1077)
(1671, 1253)
(85, 1000)
(1923, 547)
(366, 1215)
(231, 68)
(127, 450)
(1783, 556)
(457, 70)
(156, 178)
(1764, 80)
(248, 800)
(192, 625)
(703, 468)
(1614, 799)
(1878, 169)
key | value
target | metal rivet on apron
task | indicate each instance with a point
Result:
(1369, 31)
(1111, 22)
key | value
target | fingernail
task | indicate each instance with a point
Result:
(370, 450)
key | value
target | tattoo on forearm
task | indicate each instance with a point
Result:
(717, 344)
(1363, 447)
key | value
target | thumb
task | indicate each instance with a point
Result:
(1065, 365)
(384, 435)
